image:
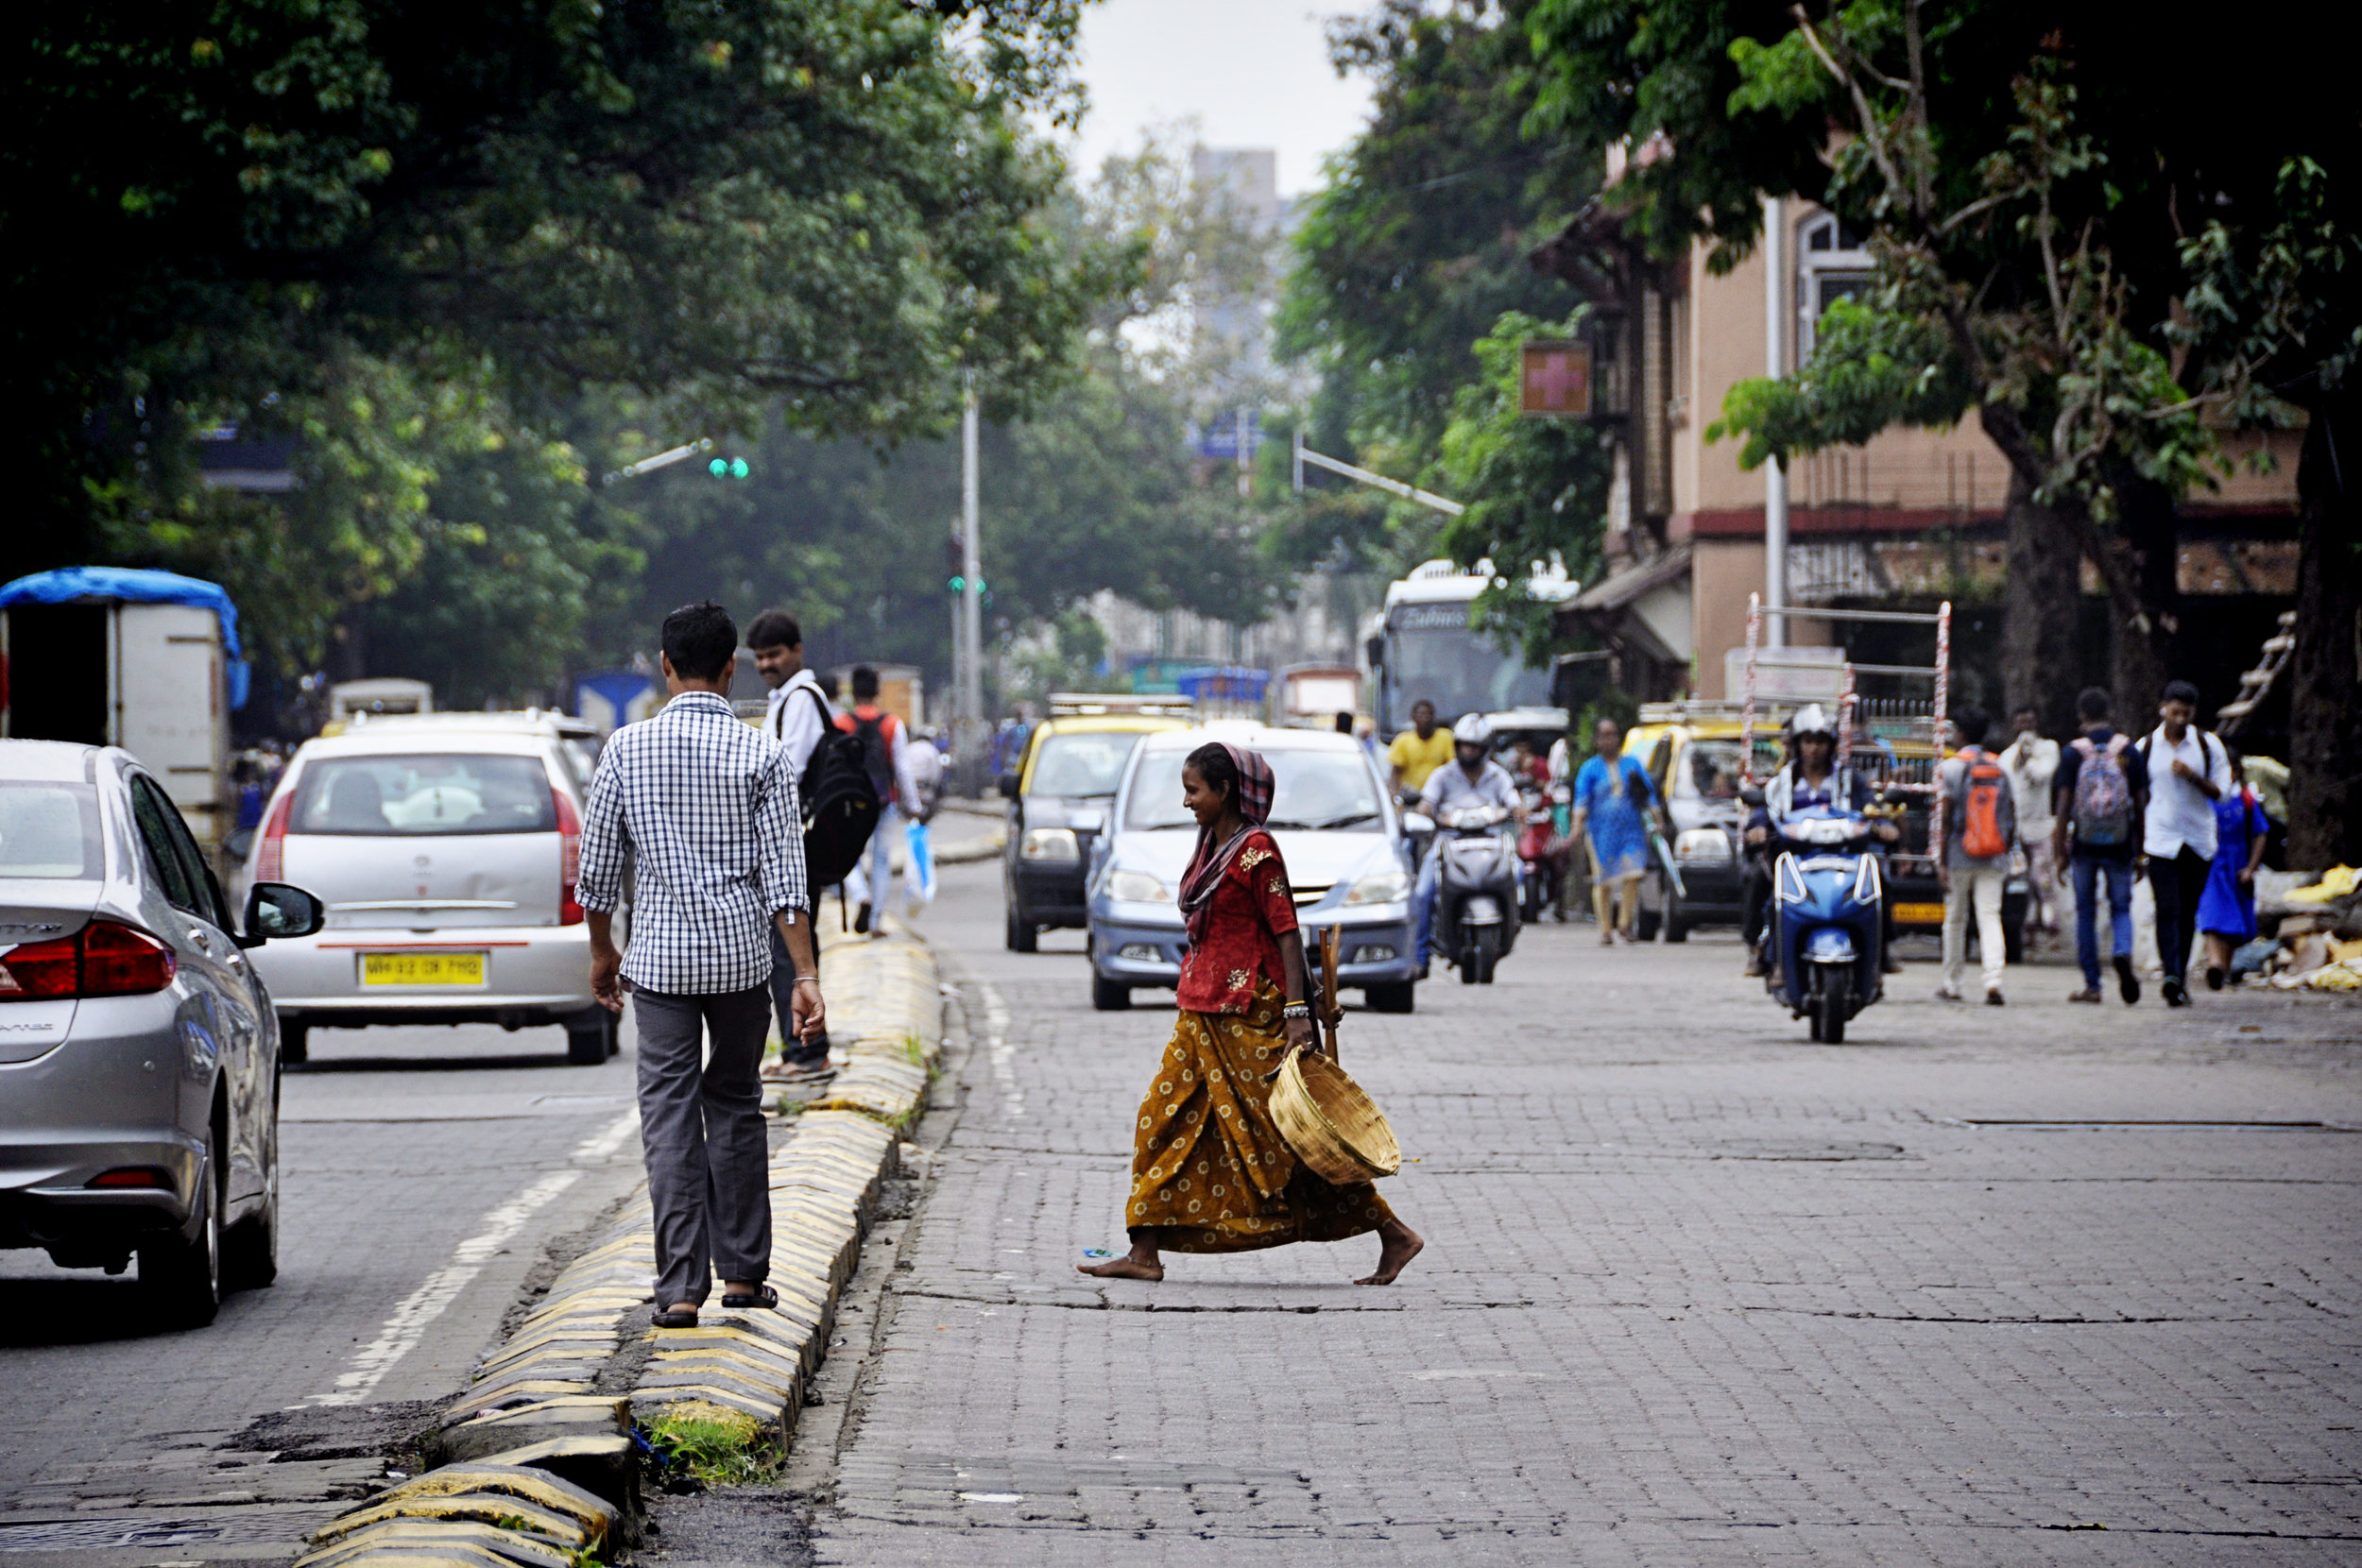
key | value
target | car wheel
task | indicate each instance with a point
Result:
(1398, 996)
(1023, 935)
(250, 1251)
(591, 1040)
(1676, 920)
(1109, 997)
(295, 1041)
(1645, 922)
(181, 1275)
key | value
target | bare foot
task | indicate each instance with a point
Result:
(1396, 1247)
(1123, 1269)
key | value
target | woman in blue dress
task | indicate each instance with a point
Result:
(2226, 910)
(1610, 792)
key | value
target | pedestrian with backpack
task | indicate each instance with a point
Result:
(2188, 772)
(1979, 830)
(885, 758)
(799, 717)
(2099, 795)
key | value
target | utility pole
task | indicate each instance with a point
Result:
(973, 589)
(1775, 473)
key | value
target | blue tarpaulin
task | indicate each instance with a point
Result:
(138, 586)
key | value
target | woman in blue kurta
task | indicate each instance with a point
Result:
(1610, 790)
(2226, 910)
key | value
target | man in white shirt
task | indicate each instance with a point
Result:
(799, 713)
(2188, 772)
(2031, 763)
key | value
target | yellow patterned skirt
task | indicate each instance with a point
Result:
(1209, 1170)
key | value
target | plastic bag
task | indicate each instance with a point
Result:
(919, 875)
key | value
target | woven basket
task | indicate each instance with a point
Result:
(1336, 1130)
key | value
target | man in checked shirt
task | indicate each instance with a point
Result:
(707, 806)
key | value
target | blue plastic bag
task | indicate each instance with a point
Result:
(921, 880)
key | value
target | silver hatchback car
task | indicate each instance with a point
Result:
(139, 1051)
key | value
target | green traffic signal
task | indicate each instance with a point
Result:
(959, 585)
(727, 467)
(737, 468)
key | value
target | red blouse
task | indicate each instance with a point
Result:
(1251, 910)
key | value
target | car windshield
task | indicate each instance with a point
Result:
(1323, 790)
(424, 796)
(1085, 763)
(49, 831)
(1709, 769)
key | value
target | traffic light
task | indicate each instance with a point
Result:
(959, 585)
(727, 467)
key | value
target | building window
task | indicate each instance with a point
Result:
(1831, 265)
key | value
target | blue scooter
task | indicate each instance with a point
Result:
(1826, 895)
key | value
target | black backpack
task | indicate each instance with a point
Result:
(840, 804)
(877, 758)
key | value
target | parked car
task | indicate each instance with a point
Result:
(446, 848)
(1059, 794)
(1337, 829)
(139, 1052)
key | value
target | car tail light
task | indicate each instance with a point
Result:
(101, 959)
(41, 971)
(133, 1176)
(270, 860)
(569, 856)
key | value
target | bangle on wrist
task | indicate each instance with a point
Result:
(1296, 1010)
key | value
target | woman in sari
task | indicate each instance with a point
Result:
(1210, 1172)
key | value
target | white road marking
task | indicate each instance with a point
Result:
(400, 1334)
(1001, 1053)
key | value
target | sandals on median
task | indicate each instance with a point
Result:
(765, 1297)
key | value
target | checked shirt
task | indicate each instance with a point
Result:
(708, 806)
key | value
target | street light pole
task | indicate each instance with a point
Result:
(973, 587)
(1775, 472)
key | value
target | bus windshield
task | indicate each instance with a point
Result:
(1459, 671)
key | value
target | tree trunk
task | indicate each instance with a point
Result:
(2324, 751)
(2040, 598)
(2142, 598)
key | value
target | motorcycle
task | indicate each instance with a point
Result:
(1824, 926)
(1475, 889)
(1537, 848)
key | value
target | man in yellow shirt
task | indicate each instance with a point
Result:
(1420, 750)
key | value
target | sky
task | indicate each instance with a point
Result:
(1251, 73)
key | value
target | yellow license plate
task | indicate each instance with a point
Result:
(422, 968)
(1919, 915)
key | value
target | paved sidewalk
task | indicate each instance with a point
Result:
(1696, 1290)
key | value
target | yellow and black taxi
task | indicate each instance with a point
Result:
(1059, 794)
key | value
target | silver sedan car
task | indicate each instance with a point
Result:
(139, 1051)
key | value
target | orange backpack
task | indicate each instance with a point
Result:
(1982, 837)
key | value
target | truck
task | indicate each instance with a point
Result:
(119, 657)
(1425, 648)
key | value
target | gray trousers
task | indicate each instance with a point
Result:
(701, 1127)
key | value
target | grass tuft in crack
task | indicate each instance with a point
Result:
(715, 1446)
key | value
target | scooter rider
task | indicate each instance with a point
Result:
(1810, 780)
(1473, 779)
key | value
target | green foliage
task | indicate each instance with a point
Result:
(717, 1447)
(1870, 367)
(1412, 251)
(1535, 490)
(395, 232)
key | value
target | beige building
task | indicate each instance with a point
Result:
(1910, 517)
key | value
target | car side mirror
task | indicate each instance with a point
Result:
(281, 910)
(1752, 797)
(1375, 651)
(1008, 786)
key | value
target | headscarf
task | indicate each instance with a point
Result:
(1209, 860)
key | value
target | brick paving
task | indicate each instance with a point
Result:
(1696, 1290)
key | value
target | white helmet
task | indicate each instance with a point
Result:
(1810, 720)
(1473, 730)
